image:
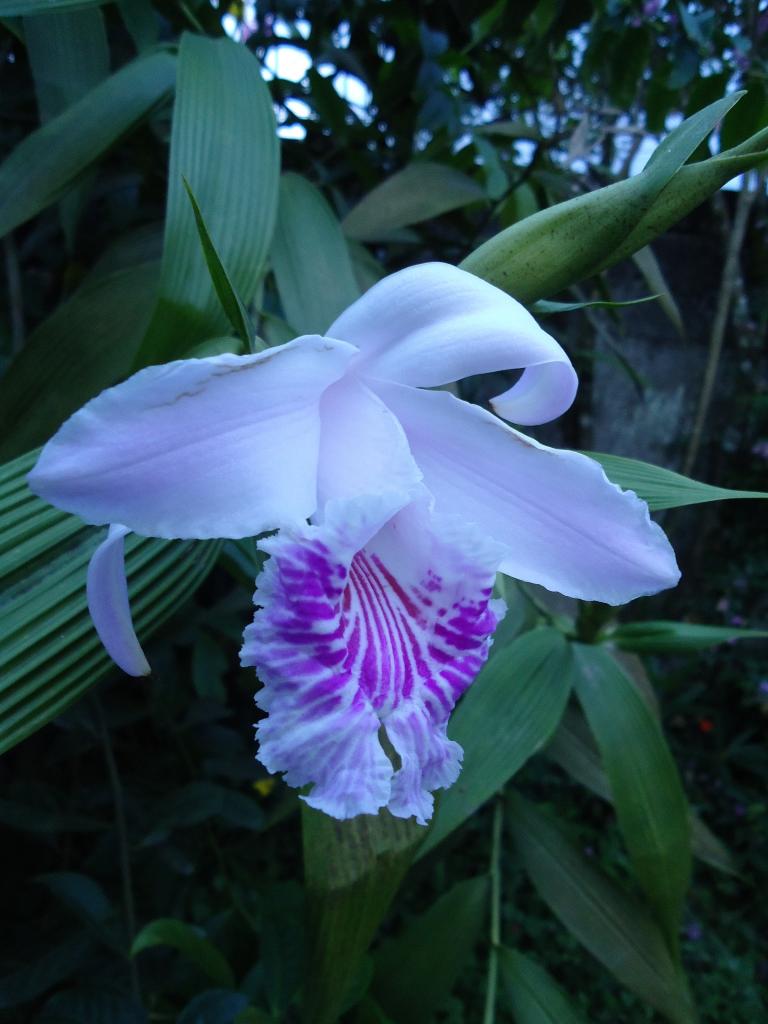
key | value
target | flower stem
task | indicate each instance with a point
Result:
(122, 839)
(494, 871)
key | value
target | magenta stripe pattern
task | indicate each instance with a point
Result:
(369, 632)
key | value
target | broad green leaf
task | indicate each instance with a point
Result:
(510, 712)
(230, 301)
(12, 8)
(352, 870)
(167, 931)
(224, 142)
(650, 804)
(646, 262)
(544, 307)
(92, 1002)
(50, 967)
(68, 55)
(310, 258)
(677, 637)
(549, 250)
(201, 801)
(86, 345)
(663, 488)
(612, 926)
(573, 749)
(419, 192)
(46, 163)
(531, 993)
(415, 972)
(142, 22)
(366, 267)
(50, 654)
(217, 1006)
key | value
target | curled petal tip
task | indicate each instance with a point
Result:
(108, 603)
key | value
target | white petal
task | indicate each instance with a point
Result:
(219, 447)
(108, 604)
(363, 448)
(562, 522)
(433, 323)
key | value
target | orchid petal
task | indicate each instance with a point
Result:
(433, 323)
(377, 617)
(363, 448)
(561, 521)
(107, 590)
(218, 447)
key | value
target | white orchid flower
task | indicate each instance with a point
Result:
(395, 507)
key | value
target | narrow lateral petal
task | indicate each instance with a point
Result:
(219, 447)
(433, 323)
(363, 448)
(561, 521)
(374, 618)
(107, 590)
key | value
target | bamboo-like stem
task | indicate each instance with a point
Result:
(728, 284)
(494, 871)
(122, 839)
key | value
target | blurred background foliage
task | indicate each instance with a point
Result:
(152, 870)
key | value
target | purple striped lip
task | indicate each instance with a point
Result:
(369, 621)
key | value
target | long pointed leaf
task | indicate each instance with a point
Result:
(531, 993)
(663, 488)
(224, 142)
(615, 929)
(509, 713)
(415, 972)
(310, 258)
(45, 164)
(650, 803)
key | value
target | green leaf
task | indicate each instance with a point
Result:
(677, 637)
(230, 301)
(310, 258)
(415, 972)
(51, 654)
(224, 142)
(646, 262)
(48, 968)
(573, 749)
(651, 807)
(217, 1006)
(662, 488)
(531, 993)
(419, 192)
(485, 24)
(352, 870)
(543, 307)
(86, 345)
(47, 162)
(141, 21)
(613, 927)
(167, 931)
(510, 712)
(11, 8)
(554, 248)
(91, 1004)
(68, 55)
(201, 801)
